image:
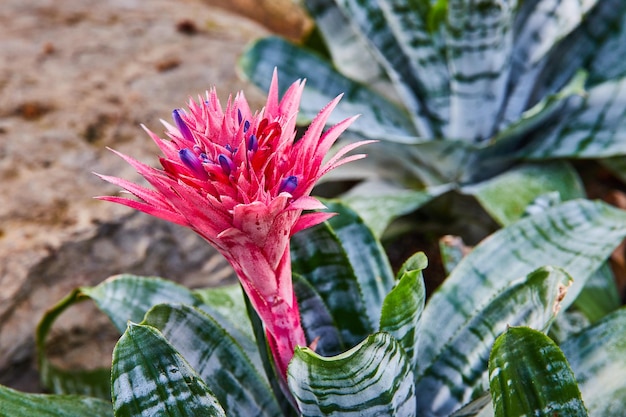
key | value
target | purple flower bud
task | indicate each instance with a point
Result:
(226, 163)
(253, 143)
(182, 126)
(288, 184)
(239, 116)
(192, 162)
(246, 126)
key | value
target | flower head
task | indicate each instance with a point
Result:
(242, 180)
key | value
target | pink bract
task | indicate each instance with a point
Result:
(241, 180)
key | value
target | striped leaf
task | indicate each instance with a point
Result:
(149, 377)
(409, 22)
(317, 322)
(95, 382)
(373, 378)
(595, 45)
(459, 371)
(576, 236)
(349, 52)
(480, 407)
(380, 118)
(370, 19)
(217, 358)
(539, 27)
(379, 203)
(348, 267)
(529, 376)
(598, 357)
(479, 41)
(403, 306)
(594, 127)
(129, 297)
(20, 404)
(506, 196)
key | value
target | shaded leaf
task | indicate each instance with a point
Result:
(217, 358)
(150, 378)
(529, 375)
(598, 357)
(20, 404)
(374, 378)
(459, 371)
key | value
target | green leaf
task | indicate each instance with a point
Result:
(598, 357)
(371, 20)
(20, 404)
(479, 39)
(317, 322)
(403, 308)
(593, 128)
(229, 302)
(380, 118)
(599, 296)
(94, 382)
(149, 377)
(350, 54)
(529, 375)
(348, 267)
(459, 371)
(217, 358)
(576, 236)
(379, 203)
(506, 196)
(129, 297)
(374, 378)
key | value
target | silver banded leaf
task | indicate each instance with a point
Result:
(149, 378)
(597, 356)
(479, 43)
(20, 404)
(459, 372)
(374, 378)
(576, 236)
(529, 376)
(402, 309)
(594, 128)
(350, 54)
(217, 358)
(371, 20)
(506, 196)
(348, 267)
(380, 118)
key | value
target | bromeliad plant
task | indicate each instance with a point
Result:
(488, 98)
(336, 332)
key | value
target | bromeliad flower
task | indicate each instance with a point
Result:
(242, 181)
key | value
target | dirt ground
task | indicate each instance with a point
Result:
(77, 76)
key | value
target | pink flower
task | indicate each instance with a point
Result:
(242, 180)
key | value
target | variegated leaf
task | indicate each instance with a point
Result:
(379, 203)
(217, 358)
(370, 19)
(376, 379)
(529, 376)
(403, 306)
(506, 196)
(594, 127)
(150, 378)
(597, 356)
(459, 371)
(350, 54)
(20, 404)
(479, 41)
(380, 118)
(348, 267)
(576, 236)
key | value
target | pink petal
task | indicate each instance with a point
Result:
(311, 219)
(147, 208)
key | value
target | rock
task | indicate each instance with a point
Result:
(78, 76)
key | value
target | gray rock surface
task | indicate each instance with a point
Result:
(77, 76)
